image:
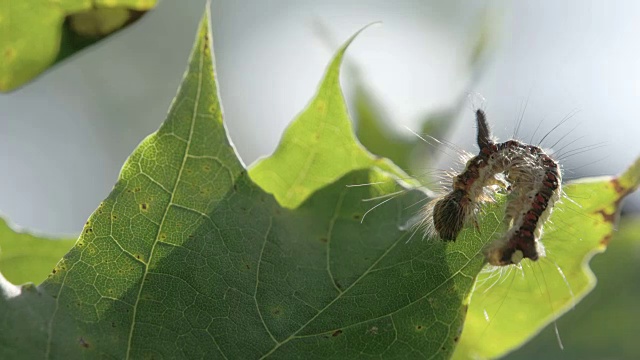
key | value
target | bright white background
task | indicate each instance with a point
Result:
(64, 137)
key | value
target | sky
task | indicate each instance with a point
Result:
(65, 136)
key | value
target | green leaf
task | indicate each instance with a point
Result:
(188, 258)
(28, 258)
(588, 331)
(318, 147)
(519, 303)
(35, 34)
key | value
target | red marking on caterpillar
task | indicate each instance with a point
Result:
(536, 186)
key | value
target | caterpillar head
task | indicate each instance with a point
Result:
(448, 215)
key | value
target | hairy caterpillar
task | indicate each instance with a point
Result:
(532, 182)
(529, 174)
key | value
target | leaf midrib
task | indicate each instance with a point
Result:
(173, 192)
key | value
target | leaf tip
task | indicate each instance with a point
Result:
(337, 59)
(629, 180)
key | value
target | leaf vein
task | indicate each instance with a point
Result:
(255, 292)
(164, 216)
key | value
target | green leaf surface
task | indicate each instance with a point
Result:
(35, 34)
(188, 258)
(318, 147)
(509, 307)
(28, 258)
(602, 326)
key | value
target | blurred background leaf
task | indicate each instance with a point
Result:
(36, 34)
(29, 258)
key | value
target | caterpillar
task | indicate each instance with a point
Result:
(533, 180)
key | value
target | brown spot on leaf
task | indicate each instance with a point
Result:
(622, 193)
(276, 311)
(324, 240)
(606, 239)
(144, 207)
(610, 218)
(247, 266)
(618, 187)
(356, 216)
(456, 339)
(419, 327)
(336, 333)
(83, 343)
(9, 53)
